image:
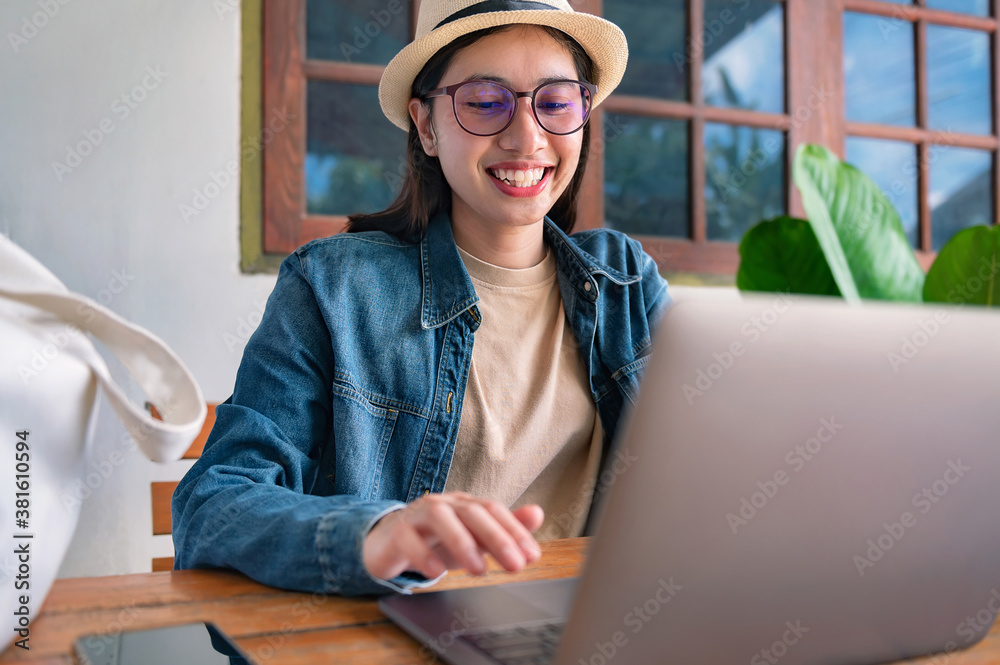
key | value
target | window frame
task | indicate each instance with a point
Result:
(921, 136)
(813, 60)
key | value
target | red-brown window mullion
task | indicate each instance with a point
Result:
(699, 215)
(284, 157)
(661, 108)
(788, 106)
(917, 12)
(924, 240)
(814, 63)
(916, 135)
(342, 72)
(923, 148)
(696, 25)
(590, 202)
(996, 188)
(995, 78)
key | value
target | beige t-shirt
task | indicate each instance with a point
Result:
(529, 431)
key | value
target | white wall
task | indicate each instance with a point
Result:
(114, 219)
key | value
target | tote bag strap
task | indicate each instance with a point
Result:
(168, 384)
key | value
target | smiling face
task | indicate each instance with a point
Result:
(483, 170)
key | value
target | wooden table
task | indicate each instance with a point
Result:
(284, 627)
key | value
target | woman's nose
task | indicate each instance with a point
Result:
(524, 135)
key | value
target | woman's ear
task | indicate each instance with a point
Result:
(421, 116)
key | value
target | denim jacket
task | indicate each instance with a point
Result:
(349, 393)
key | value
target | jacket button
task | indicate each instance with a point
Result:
(586, 286)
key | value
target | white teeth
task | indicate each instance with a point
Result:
(515, 178)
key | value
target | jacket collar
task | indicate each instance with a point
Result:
(447, 289)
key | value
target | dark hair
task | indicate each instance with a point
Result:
(425, 191)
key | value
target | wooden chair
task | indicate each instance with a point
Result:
(162, 492)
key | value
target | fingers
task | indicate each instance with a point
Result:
(452, 530)
(493, 527)
(517, 529)
(492, 534)
(531, 516)
(442, 523)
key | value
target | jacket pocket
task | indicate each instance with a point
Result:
(363, 428)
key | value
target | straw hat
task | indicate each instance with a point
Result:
(442, 21)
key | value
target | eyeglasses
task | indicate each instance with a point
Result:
(486, 108)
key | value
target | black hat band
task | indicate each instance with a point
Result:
(494, 6)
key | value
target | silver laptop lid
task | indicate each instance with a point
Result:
(813, 483)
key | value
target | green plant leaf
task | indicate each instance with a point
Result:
(965, 270)
(857, 228)
(783, 254)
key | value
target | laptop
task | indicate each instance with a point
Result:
(817, 482)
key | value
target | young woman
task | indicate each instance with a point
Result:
(446, 379)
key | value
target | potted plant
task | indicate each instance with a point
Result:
(853, 245)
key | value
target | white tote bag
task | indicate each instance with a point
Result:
(49, 376)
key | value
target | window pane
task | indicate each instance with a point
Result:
(658, 54)
(961, 191)
(893, 167)
(977, 7)
(745, 179)
(958, 80)
(356, 30)
(744, 55)
(879, 73)
(355, 158)
(646, 175)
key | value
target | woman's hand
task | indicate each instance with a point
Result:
(451, 531)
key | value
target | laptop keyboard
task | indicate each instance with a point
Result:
(519, 645)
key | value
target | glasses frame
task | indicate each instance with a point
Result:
(451, 89)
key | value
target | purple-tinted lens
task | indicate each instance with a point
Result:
(483, 107)
(562, 107)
